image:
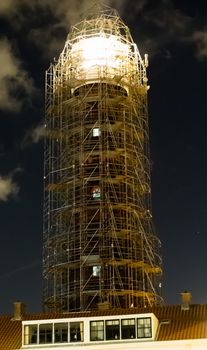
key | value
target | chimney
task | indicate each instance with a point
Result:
(19, 311)
(186, 299)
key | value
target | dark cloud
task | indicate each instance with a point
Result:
(13, 77)
(162, 17)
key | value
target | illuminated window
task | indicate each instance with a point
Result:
(96, 132)
(45, 333)
(76, 331)
(60, 332)
(30, 334)
(112, 330)
(96, 192)
(144, 327)
(97, 330)
(96, 271)
(128, 328)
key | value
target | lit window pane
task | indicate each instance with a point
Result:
(96, 271)
(96, 132)
(144, 327)
(112, 330)
(97, 330)
(30, 334)
(128, 329)
(96, 192)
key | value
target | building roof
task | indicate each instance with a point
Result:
(175, 323)
(10, 333)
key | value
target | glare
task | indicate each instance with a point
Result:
(100, 51)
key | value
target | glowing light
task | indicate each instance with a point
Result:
(100, 51)
(96, 132)
(96, 192)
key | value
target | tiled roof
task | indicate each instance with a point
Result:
(177, 324)
(174, 323)
(10, 333)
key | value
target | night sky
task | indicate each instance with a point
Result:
(174, 34)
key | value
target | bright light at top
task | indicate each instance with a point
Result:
(100, 51)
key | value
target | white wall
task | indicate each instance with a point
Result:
(195, 344)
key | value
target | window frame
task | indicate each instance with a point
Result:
(46, 334)
(56, 324)
(27, 335)
(144, 328)
(128, 327)
(98, 331)
(106, 330)
(96, 132)
(79, 333)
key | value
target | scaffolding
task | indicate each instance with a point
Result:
(99, 245)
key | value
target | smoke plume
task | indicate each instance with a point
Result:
(8, 188)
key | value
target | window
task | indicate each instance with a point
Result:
(144, 328)
(60, 332)
(96, 271)
(128, 328)
(30, 334)
(76, 331)
(96, 132)
(112, 330)
(96, 192)
(45, 333)
(97, 330)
